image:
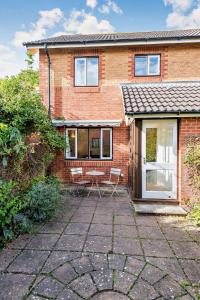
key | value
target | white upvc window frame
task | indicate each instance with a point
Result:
(85, 59)
(111, 144)
(148, 65)
(67, 156)
(67, 143)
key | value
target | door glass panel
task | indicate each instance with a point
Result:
(159, 180)
(165, 145)
(71, 143)
(151, 144)
(94, 142)
(83, 143)
(106, 144)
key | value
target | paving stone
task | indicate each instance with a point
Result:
(35, 297)
(77, 228)
(98, 244)
(68, 294)
(123, 281)
(110, 296)
(134, 265)
(176, 234)
(49, 287)
(103, 219)
(85, 218)
(104, 211)
(152, 274)
(57, 258)
(99, 261)
(169, 265)
(84, 286)
(143, 290)
(146, 220)
(186, 297)
(125, 231)
(82, 265)
(169, 288)
(6, 257)
(186, 249)
(100, 229)
(127, 246)
(103, 279)
(14, 286)
(52, 227)
(192, 270)
(157, 248)
(71, 242)
(116, 261)
(150, 232)
(65, 273)
(21, 241)
(124, 220)
(194, 231)
(29, 261)
(43, 241)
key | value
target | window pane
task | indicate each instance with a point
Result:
(151, 144)
(71, 143)
(83, 143)
(94, 142)
(106, 151)
(154, 65)
(165, 145)
(159, 180)
(92, 71)
(141, 65)
(80, 71)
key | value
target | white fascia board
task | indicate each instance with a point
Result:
(166, 116)
(117, 44)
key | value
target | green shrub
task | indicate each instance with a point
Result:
(194, 215)
(42, 199)
(22, 224)
(10, 204)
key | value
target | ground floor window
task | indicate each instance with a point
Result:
(89, 143)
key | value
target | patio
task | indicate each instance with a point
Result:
(99, 249)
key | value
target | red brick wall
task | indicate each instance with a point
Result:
(189, 128)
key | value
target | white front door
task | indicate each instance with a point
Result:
(159, 159)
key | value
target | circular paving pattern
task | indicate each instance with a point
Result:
(106, 277)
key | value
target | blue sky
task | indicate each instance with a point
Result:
(29, 20)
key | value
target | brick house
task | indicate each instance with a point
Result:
(125, 100)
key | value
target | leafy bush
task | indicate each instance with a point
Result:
(192, 160)
(22, 223)
(10, 205)
(42, 201)
(194, 215)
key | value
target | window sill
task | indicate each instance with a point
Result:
(86, 89)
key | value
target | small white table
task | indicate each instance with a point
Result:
(95, 185)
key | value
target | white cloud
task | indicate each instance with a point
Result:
(109, 6)
(181, 5)
(185, 14)
(91, 3)
(8, 62)
(81, 22)
(47, 20)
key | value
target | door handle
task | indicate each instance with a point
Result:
(144, 160)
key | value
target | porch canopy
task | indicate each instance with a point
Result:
(178, 99)
(87, 123)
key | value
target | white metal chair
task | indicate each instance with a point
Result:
(77, 179)
(113, 180)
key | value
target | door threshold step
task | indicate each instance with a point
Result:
(157, 209)
(156, 201)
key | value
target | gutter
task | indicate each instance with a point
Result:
(100, 43)
(49, 79)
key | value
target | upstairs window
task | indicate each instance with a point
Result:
(86, 71)
(89, 143)
(147, 65)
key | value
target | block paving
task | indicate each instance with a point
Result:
(100, 249)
